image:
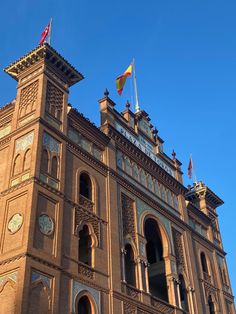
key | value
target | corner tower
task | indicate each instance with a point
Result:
(32, 186)
(43, 77)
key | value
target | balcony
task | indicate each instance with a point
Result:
(131, 291)
(86, 203)
(86, 270)
(207, 277)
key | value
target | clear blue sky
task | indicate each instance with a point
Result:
(185, 55)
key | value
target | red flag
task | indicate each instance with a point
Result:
(190, 168)
(45, 34)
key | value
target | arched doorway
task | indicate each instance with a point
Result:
(154, 251)
(84, 306)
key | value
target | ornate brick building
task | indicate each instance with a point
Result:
(97, 220)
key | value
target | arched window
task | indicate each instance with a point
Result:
(204, 263)
(85, 186)
(183, 294)
(27, 159)
(54, 167)
(84, 306)
(85, 249)
(211, 305)
(154, 249)
(44, 161)
(17, 165)
(130, 266)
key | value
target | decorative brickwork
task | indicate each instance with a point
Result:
(54, 100)
(82, 217)
(28, 98)
(179, 252)
(128, 216)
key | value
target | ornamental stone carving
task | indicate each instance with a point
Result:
(128, 216)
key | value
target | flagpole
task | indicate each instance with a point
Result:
(137, 108)
(194, 173)
(50, 32)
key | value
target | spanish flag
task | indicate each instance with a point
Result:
(120, 81)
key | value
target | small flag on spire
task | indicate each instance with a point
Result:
(190, 168)
(120, 81)
(45, 33)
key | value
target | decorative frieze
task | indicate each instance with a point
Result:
(5, 130)
(87, 145)
(146, 180)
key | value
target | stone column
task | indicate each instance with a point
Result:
(140, 277)
(146, 265)
(123, 253)
(191, 291)
(178, 292)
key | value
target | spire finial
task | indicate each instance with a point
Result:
(127, 105)
(106, 92)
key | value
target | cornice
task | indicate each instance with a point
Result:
(48, 55)
(8, 107)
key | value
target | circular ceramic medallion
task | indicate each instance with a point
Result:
(15, 223)
(46, 224)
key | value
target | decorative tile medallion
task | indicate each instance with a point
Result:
(15, 223)
(46, 224)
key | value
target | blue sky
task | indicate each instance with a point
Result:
(185, 55)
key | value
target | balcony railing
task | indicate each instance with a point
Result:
(86, 203)
(162, 306)
(207, 277)
(86, 270)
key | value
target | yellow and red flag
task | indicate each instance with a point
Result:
(120, 81)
